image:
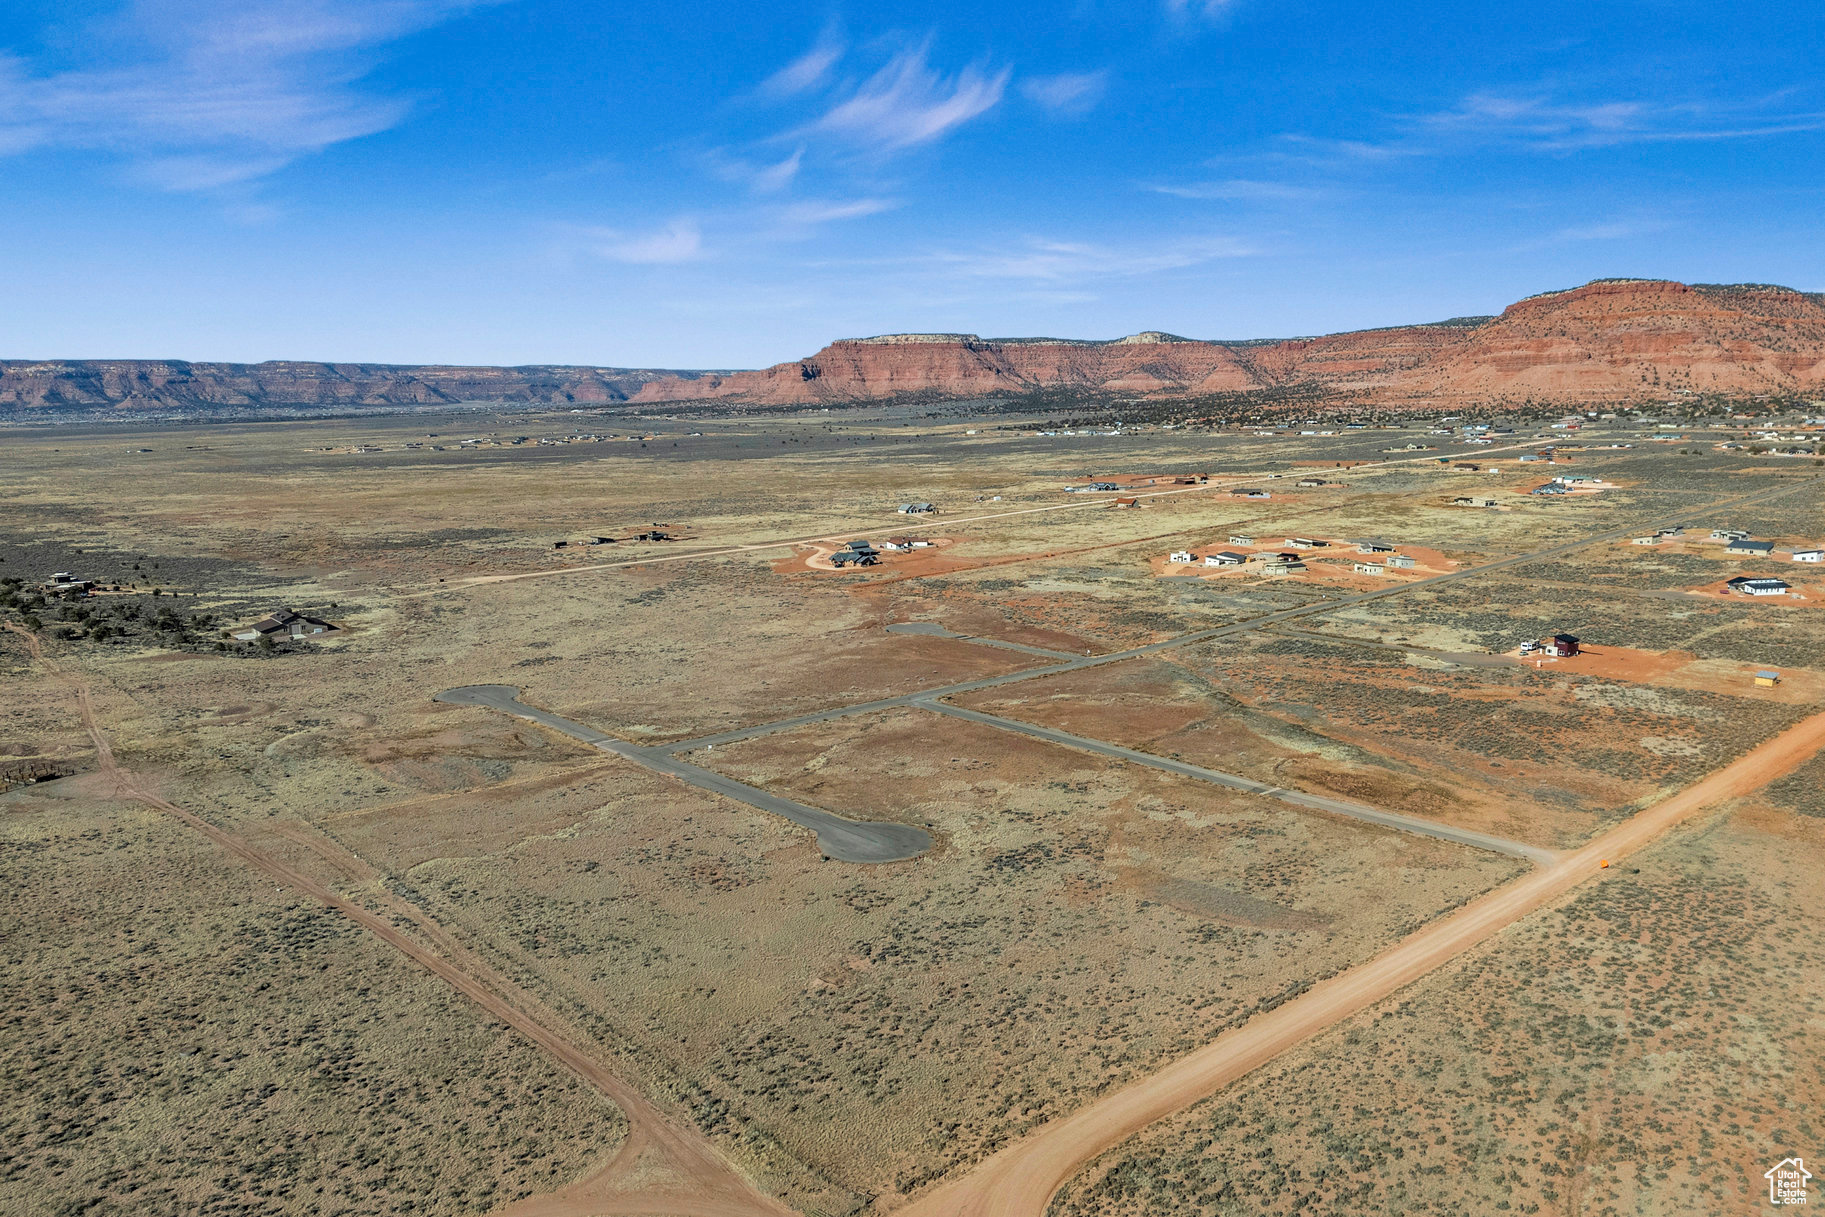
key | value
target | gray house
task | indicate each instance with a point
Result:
(284, 624)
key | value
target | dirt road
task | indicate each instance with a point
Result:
(1020, 1180)
(663, 1167)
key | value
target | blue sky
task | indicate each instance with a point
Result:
(734, 184)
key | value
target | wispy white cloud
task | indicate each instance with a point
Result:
(1539, 122)
(755, 170)
(1240, 190)
(1054, 262)
(1072, 93)
(778, 176)
(1546, 124)
(1618, 229)
(199, 94)
(681, 240)
(906, 103)
(814, 211)
(1614, 230)
(809, 71)
(1199, 10)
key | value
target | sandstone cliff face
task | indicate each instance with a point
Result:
(147, 384)
(1636, 338)
(1607, 341)
(1616, 340)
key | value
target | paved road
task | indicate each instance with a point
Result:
(844, 840)
(679, 1171)
(1341, 807)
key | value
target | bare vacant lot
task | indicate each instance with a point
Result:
(1643, 1049)
(183, 1038)
(190, 1035)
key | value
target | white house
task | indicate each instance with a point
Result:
(1182, 557)
(1809, 555)
(1762, 586)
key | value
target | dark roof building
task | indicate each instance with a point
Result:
(284, 623)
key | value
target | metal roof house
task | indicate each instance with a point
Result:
(916, 509)
(1562, 646)
(1374, 547)
(1809, 555)
(1759, 585)
(1752, 549)
(1225, 558)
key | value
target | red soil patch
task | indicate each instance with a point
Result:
(1683, 670)
(1801, 597)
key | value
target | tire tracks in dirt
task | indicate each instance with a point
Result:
(663, 1167)
(1021, 1179)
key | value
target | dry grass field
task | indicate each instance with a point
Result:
(1649, 1047)
(182, 1038)
(188, 1035)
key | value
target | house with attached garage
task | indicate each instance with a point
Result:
(1759, 585)
(1225, 558)
(1374, 547)
(284, 624)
